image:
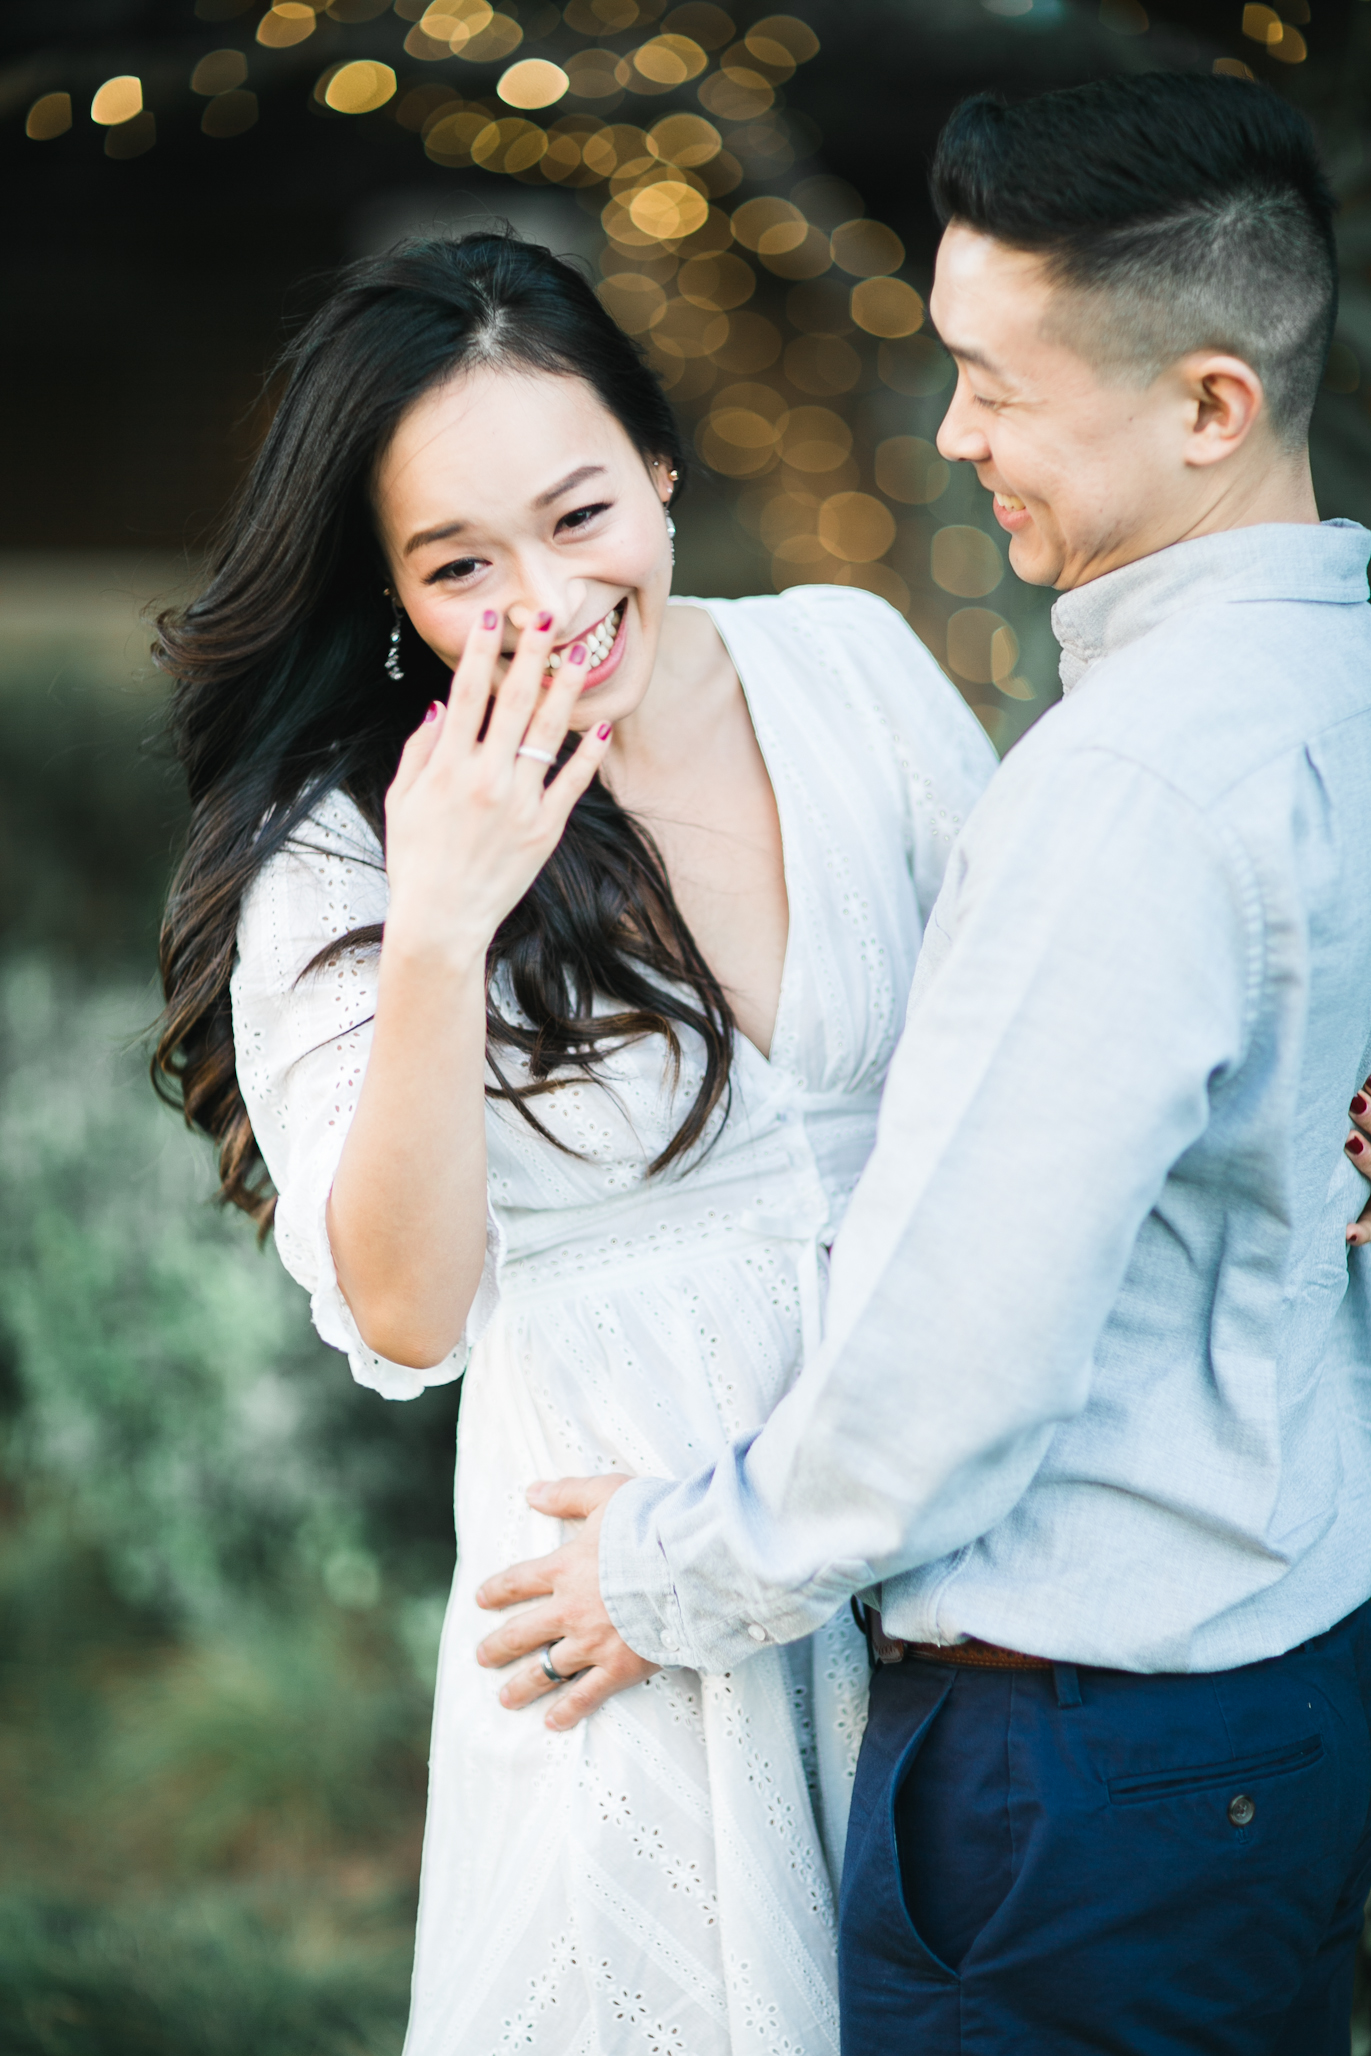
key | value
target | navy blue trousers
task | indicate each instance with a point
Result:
(1093, 1863)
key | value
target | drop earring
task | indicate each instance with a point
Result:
(673, 476)
(394, 668)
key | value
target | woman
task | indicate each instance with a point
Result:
(559, 1014)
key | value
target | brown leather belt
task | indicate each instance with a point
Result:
(975, 1655)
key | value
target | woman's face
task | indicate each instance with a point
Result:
(518, 490)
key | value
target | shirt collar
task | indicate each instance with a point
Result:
(1276, 561)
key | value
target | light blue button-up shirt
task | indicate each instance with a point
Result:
(1094, 1383)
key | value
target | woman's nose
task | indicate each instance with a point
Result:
(565, 603)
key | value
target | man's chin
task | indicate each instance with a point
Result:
(1030, 561)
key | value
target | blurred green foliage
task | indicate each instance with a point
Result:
(222, 1564)
(222, 1571)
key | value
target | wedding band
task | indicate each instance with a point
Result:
(526, 749)
(549, 1668)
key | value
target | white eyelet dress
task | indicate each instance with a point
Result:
(661, 1879)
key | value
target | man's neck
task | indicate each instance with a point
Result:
(1279, 492)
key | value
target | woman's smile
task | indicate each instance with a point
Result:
(604, 644)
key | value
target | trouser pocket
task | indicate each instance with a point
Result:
(876, 1923)
(1226, 1774)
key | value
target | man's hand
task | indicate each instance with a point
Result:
(573, 1625)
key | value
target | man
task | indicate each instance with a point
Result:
(1110, 1466)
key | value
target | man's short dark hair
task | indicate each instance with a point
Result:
(1184, 212)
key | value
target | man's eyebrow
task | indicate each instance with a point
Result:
(573, 478)
(967, 353)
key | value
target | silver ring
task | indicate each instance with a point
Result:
(526, 749)
(549, 1668)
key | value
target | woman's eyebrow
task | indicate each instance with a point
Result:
(573, 478)
(434, 535)
(452, 528)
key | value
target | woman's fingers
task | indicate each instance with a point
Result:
(1358, 1151)
(473, 681)
(556, 702)
(574, 777)
(520, 688)
(417, 751)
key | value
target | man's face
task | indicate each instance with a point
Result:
(1088, 473)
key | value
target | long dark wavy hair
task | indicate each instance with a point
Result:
(280, 697)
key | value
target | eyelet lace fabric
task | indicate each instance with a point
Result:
(662, 1879)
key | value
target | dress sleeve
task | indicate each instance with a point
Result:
(944, 756)
(301, 1041)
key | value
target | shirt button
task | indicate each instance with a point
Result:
(668, 1642)
(757, 1632)
(1241, 1810)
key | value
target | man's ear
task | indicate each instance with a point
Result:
(1227, 399)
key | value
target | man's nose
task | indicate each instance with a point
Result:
(961, 435)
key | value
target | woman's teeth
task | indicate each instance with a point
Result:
(1011, 503)
(599, 641)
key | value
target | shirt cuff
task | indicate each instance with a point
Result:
(635, 1582)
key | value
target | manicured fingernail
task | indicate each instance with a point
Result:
(603, 731)
(543, 623)
(490, 619)
(1356, 1145)
(576, 654)
(432, 714)
(1366, 1084)
(1359, 1105)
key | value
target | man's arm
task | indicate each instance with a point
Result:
(1099, 954)
(1089, 969)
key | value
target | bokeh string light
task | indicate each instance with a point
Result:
(776, 311)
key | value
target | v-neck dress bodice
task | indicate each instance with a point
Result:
(661, 1878)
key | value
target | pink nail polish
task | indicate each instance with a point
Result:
(432, 714)
(490, 619)
(603, 731)
(576, 654)
(543, 623)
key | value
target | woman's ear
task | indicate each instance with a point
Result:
(664, 478)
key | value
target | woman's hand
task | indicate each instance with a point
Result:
(470, 821)
(1358, 1148)
(469, 824)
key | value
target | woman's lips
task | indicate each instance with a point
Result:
(614, 657)
(604, 645)
(1010, 512)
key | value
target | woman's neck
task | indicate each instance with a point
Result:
(693, 683)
